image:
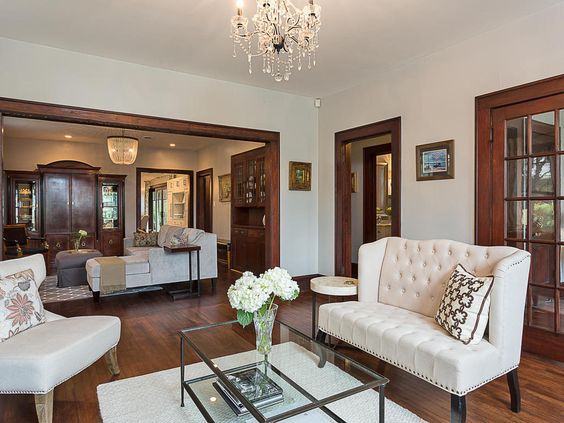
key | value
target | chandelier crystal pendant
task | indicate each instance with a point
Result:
(283, 35)
(122, 149)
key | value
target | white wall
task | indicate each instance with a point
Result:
(218, 157)
(34, 72)
(435, 96)
(25, 155)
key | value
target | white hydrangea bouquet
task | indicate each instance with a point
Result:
(254, 298)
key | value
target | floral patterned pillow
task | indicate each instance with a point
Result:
(20, 305)
(144, 239)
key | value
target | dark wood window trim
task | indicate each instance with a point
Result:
(61, 113)
(343, 139)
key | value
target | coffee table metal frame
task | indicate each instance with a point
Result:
(379, 381)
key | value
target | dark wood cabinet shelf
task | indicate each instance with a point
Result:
(249, 194)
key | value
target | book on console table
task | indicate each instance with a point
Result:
(255, 386)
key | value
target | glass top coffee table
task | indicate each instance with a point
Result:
(317, 383)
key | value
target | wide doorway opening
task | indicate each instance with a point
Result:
(367, 189)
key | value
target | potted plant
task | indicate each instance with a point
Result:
(254, 298)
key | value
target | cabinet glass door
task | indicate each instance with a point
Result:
(110, 205)
(26, 204)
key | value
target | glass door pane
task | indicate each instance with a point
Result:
(110, 205)
(543, 133)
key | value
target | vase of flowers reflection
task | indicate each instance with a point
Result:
(254, 298)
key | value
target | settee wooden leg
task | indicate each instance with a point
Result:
(457, 408)
(44, 407)
(96, 296)
(321, 337)
(513, 382)
(213, 285)
(112, 361)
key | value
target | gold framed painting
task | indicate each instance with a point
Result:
(300, 176)
(224, 182)
(435, 161)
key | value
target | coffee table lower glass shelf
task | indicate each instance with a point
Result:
(318, 383)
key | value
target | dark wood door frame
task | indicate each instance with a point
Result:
(209, 207)
(61, 113)
(343, 139)
(140, 170)
(488, 188)
(369, 194)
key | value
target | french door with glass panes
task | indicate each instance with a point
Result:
(528, 200)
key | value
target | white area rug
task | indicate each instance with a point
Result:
(155, 398)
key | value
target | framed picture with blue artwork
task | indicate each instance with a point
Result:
(435, 161)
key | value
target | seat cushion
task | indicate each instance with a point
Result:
(134, 265)
(43, 357)
(413, 342)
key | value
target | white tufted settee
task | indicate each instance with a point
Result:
(401, 283)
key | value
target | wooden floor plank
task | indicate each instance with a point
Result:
(149, 343)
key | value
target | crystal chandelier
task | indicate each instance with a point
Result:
(122, 149)
(283, 35)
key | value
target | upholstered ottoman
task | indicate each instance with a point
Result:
(71, 270)
(137, 273)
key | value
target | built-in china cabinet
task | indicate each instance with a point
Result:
(24, 192)
(248, 181)
(63, 197)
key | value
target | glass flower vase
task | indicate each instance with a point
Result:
(76, 245)
(264, 323)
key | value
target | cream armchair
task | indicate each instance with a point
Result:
(401, 283)
(39, 359)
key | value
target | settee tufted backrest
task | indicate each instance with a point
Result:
(414, 274)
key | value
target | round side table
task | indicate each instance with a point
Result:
(334, 286)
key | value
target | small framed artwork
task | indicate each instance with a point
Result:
(435, 161)
(300, 176)
(224, 188)
(354, 182)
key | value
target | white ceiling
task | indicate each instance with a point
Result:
(42, 130)
(358, 38)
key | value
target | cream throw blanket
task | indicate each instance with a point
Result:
(112, 274)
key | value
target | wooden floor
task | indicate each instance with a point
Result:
(149, 343)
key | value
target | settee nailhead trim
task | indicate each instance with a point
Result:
(388, 360)
(59, 383)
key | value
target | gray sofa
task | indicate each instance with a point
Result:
(147, 266)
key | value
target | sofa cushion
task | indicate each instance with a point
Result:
(413, 342)
(465, 305)
(166, 233)
(414, 274)
(20, 305)
(134, 265)
(41, 358)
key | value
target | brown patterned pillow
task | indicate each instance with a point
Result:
(465, 306)
(144, 239)
(20, 305)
